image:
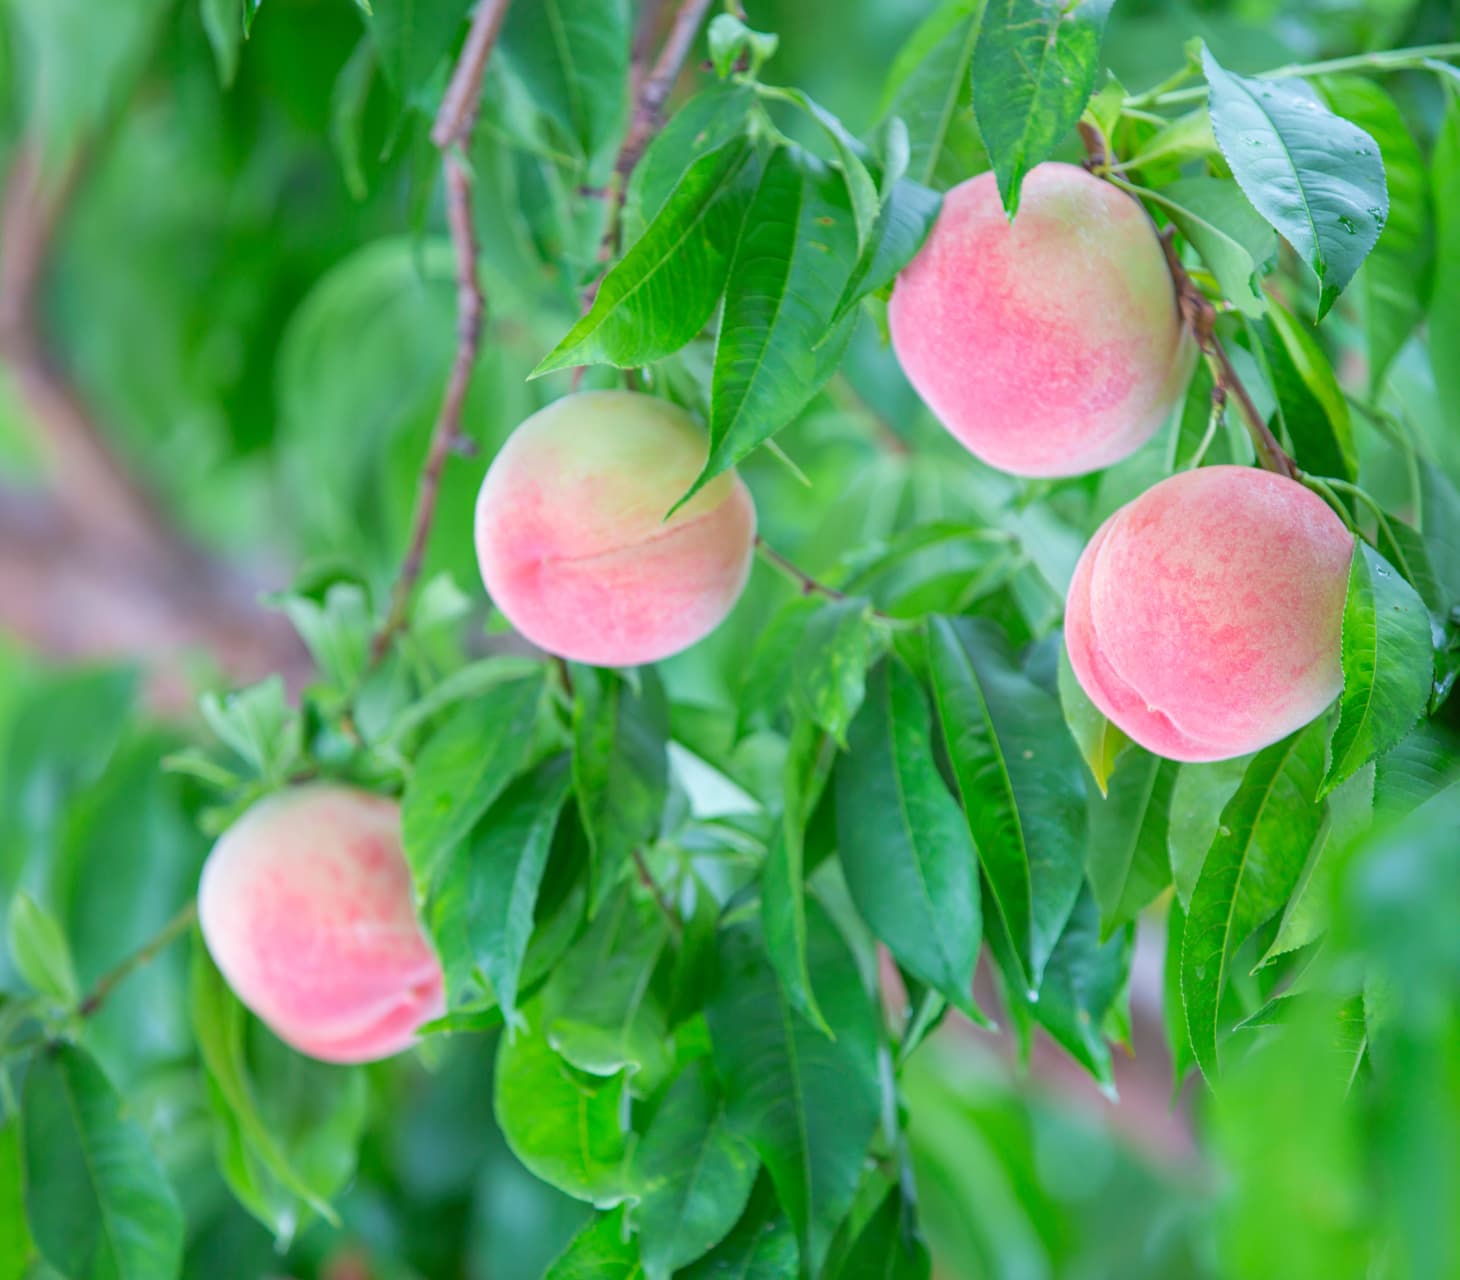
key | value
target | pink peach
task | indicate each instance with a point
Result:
(1204, 618)
(306, 907)
(1050, 346)
(572, 540)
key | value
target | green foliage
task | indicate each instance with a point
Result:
(710, 928)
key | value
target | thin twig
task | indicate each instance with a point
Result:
(666, 908)
(144, 955)
(450, 133)
(808, 585)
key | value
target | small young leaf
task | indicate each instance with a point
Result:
(1388, 664)
(97, 1200)
(1318, 179)
(909, 859)
(1034, 69)
(40, 951)
(729, 37)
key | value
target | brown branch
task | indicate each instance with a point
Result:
(807, 585)
(451, 131)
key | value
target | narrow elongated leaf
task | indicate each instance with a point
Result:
(620, 767)
(693, 1175)
(1387, 664)
(794, 256)
(1261, 846)
(1127, 856)
(97, 1200)
(16, 1246)
(830, 668)
(665, 287)
(561, 1123)
(905, 216)
(223, 23)
(1311, 404)
(464, 766)
(39, 950)
(930, 90)
(1099, 741)
(909, 860)
(1201, 793)
(782, 878)
(605, 1249)
(1020, 778)
(573, 58)
(1233, 239)
(1034, 69)
(1318, 179)
(1444, 316)
(482, 914)
(705, 123)
(1396, 277)
(807, 1103)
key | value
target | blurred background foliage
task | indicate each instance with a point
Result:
(251, 289)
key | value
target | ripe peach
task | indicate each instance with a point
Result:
(306, 907)
(1204, 618)
(1050, 346)
(572, 540)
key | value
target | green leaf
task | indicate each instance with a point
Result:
(705, 123)
(1034, 69)
(1099, 741)
(223, 23)
(97, 1200)
(1127, 856)
(693, 1175)
(929, 88)
(1315, 177)
(40, 952)
(605, 1249)
(830, 666)
(1253, 865)
(1396, 277)
(1387, 664)
(762, 1246)
(905, 216)
(1444, 316)
(483, 910)
(259, 725)
(782, 876)
(258, 1158)
(16, 1246)
(888, 1247)
(620, 767)
(560, 1122)
(412, 38)
(1083, 981)
(1173, 1013)
(600, 1009)
(1233, 239)
(348, 101)
(573, 58)
(336, 631)
(1020, 779)
(808, 1104)
(794, 255)
(1201, 793)
(729, 38)
(665, 287)
(464, 766)
(909, 860)
(1311, 404)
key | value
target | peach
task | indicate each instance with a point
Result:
(306, 907)
(572, 540)
(1205, 617)
(1050, 346)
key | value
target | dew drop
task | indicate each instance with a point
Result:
(1347, 224)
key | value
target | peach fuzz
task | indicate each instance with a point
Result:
(306, 907)
(1204, 618)
(1050, 346)
(573, 544)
